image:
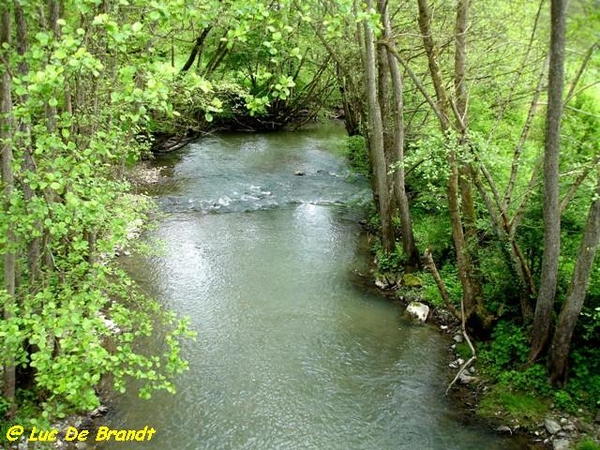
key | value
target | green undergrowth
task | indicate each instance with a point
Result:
(514, 406)
(587, 444)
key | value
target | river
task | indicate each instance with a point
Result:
(292, 351)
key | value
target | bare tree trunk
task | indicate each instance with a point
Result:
(558, 359)
(197, 47)
(6, 160)
(376, 140)
(33, 252)
(545, 302)
(473, 302)
(408, 240)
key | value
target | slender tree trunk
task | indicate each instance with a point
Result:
(458, 188)
(376, 140)
(545, 302)
(33, 251)
(195, 51)
(408, 240)
(6, 161)
(558, 360)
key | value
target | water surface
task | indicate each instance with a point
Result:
(292, 352)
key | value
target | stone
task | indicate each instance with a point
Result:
(99, 411)
(561, 444)
(418, 310)
(466, 379)
(552, 426)
(458, 338)
(410, 280)
(504, 429)
(299, 173)
(380, 284)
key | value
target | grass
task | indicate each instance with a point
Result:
(518, 407)
(588, 444)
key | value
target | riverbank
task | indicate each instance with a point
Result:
(534, 420)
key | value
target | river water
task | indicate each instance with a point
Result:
(292, 352)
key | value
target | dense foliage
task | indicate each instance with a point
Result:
(453, 109)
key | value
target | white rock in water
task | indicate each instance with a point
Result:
(418, 310)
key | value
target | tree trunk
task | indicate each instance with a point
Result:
(545, 301)
(476, 317)
(33, 251)
(197, 47)
(376, 140)
(6, 160)
(408, 240)
(558, 360)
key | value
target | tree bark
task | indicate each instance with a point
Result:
(33, 251)
(6, 161)
(197, 46)
(408, 240)
(558, 359)
(474, 309)
(545, 302)
(376, 140)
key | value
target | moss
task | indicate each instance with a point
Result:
(587, 444)
(463, 350)
(514, 407)
(411, 280)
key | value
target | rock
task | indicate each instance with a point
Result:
(299, 173)
(418, 310)
(472, 369)
(466, 379)
(458, 338)
(504, 429)
(410, 280)
(552, 426)
(561, 444)
(99, 411)
(381, 284)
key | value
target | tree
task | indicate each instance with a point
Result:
(73, 101)
(558, 357)
(376, 140)
(6, 158)
(407, 235)
(545, 302)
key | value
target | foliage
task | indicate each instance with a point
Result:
(357, 153)
(588, 444)
(84, 90)
(509, 346)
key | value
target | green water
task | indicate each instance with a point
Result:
(292, 351)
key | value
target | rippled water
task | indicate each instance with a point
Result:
(292, 353)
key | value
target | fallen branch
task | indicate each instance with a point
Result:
(468, 340)
(430, 264)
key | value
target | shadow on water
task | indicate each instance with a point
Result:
(290, 354)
